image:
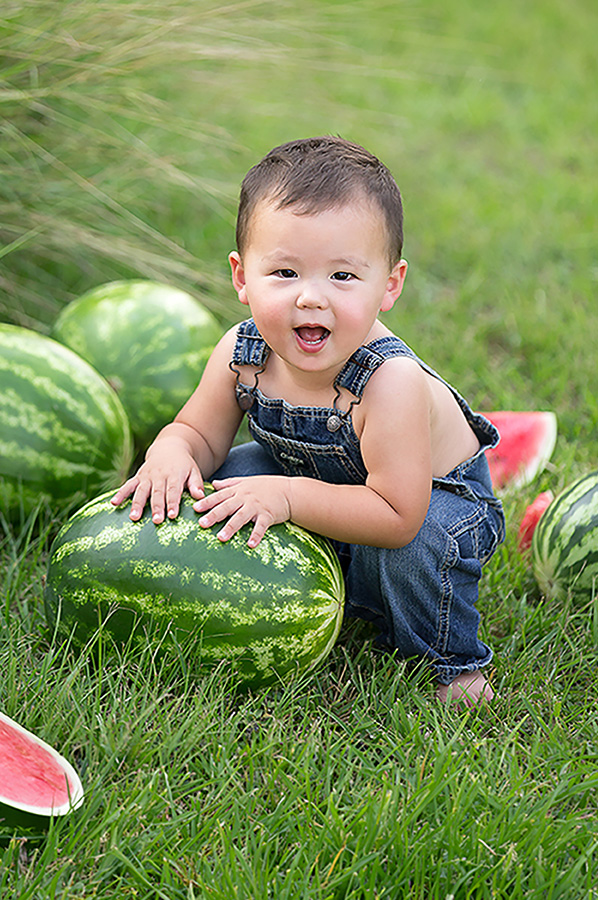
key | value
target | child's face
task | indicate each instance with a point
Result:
(316, 283)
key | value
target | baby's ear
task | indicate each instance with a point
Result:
(394, 285)
(238, 276)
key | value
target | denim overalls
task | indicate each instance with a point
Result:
(421, 597)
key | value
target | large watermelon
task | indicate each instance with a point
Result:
(565, 542)
(36, 782)
(150, 341)
(270, 612)
(64, 435)
(527, 439)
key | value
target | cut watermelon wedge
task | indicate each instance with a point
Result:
(527, 440)
(36, 782)
(530, 519)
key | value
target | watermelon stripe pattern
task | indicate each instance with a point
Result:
(150, 341)
(565, 542)
(269, 611)
(63, 431)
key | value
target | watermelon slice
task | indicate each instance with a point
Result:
(527, 440)
(36, 782)
(530, 519)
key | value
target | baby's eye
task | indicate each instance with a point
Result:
(342, 276)
(286, 273)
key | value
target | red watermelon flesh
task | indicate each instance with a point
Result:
(527, 440)
(34, 777)
(531, 518)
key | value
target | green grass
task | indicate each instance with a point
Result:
(125, 129)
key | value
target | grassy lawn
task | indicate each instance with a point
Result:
(125, 129)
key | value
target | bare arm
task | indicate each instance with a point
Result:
(191, 447)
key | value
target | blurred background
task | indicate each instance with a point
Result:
(126, 127)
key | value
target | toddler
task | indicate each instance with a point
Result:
(354, 437)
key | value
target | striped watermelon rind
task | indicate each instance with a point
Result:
(270, 612)
(565, 542)
(149, 340)
(64, 435)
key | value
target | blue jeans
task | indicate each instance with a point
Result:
(421, 597)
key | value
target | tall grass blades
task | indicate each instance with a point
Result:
(93, 150)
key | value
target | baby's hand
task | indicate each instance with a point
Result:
(161, 481)
(261, 499)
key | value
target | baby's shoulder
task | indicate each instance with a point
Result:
(396, 390)
(399, 374)
(222, 353)
(226, 344)
(383, 344)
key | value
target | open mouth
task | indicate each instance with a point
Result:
(311, 337)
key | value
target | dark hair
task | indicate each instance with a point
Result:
(321, 173)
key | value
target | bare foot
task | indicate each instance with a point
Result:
(469, 689)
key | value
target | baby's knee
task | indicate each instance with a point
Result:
(248, 459)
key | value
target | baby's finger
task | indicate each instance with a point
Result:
(204, 504)
(140, 498)
(219, 483)
(157, 503)
(234, 524)
(195, 485)
(219, 510)
(262, 523)
(124, 491)
(174, 491)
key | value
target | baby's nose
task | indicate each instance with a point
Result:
(311, 296)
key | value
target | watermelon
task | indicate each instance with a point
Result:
(530, 519)
(64, 435)
(527, 440)
(150, 341)
(565, 543)
(36, 782)
(269, 612)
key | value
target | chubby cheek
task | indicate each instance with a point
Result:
(271, 319)
(357, 318)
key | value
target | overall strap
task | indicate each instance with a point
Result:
(250, 348)
(360, 367)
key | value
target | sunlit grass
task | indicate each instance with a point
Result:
(351, 783)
